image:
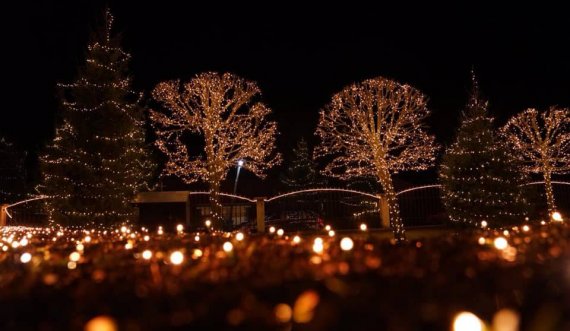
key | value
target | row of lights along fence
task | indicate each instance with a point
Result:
(301, 210)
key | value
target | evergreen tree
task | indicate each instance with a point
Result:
(302, 173)
(12, 172)
(98, 159)
(480, 179)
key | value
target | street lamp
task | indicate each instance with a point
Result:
(240, 164)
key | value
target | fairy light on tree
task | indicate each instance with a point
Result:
(222, 110)
(541, 141)
(98, 158)
(480, 179)
(376, 129)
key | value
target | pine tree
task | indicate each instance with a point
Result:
(302, 173)
(98, 159)
(12, 172)
(480, 179)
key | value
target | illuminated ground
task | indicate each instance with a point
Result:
(59, 279)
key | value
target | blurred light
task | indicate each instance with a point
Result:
(239, 236)
(208, 223)
(318, 245)
(101, 323)
(500, 243)
(71, 265)
(542, 222)
(272, 229)
(240, 163)
(146, 238)
(363, 227)
(466, 321)
(197, 238)
(176, 257)
(74, 256)
(87, 239)
(24, 242)
(331, 233)
(526, 228)
(79, 247)
(228, 247)
(328, 228)
(506, 232)
(296, 239)
(147, 254)
(557, 217)
(304, 308)
(26, 257)
(283, 313)
(180, 228)
(484, 224)
(129, 245)
(280, 232)
(197, 253)
(160, 230)
(506, 320)
(482, 241)
(346, 244)
(123, 229)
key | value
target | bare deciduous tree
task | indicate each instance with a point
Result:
(221, 109)
(542, 143)
(375, 129)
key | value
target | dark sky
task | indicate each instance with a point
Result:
(299, 56)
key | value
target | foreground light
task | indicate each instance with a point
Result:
(228, 247)
(328, 228)
(331, 233)
(363, 227)
(280, 232)
(101, 323)
(466, 321)
(272, 229)
(484, 224)
(147, 254)
(346, 244)
(196, 238)
(146, 238)
(197, 253)
(74, 257)
(557, 217)
(526, 228)
(500, 243)
(180, 228)
(176, 257)
(296, 239)
(506, 320)
(26, 257)
(318, 245)
(87, 239)
(481, 240)
(208, 223)
(239, 236)
(283, 312)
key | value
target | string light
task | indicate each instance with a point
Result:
(220, 109)
(375, 129)
(541, 142)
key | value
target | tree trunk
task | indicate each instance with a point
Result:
(393, 206)
(549, 194)
(215, 204)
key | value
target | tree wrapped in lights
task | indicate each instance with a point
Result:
(541, 142)
(221, 109)
(98, 158)
(375, 129)
(480, 179)
(302, 173)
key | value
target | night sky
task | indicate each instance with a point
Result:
(299, 56)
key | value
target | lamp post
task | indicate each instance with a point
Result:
(240, 164)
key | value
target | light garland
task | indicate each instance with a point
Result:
(376, 129)
(221, 109)
(541, 142)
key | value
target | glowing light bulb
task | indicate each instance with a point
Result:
(484, 224)
(180, 228)
(296, 239)
(272, 229)
(328, 228)
(280, 232)
(346, 244)
(526, 228)
(79, 247)
(318, 245)
(239, 236)
(74, 257)
(123, 229)
(147, 254)
(466, 321)
(331, 233)
(26, 257)
(228, 247)
(557, 217)
(208, 223)
(87, 239)
(482, 241)
(500, 243)
(363, 227)
(146, 238)
(197, 238)
(176, 257)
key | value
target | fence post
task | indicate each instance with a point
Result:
(3, 214)
(384, 210)
(260, 211)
